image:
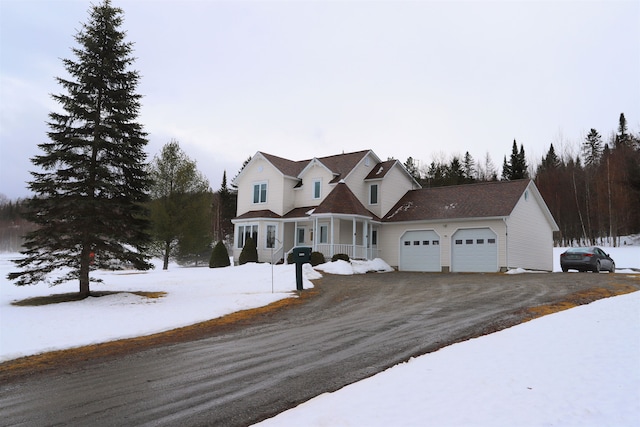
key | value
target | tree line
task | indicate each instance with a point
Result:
(592, 191)
(594, 194)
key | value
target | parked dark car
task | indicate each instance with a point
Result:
(586, 259)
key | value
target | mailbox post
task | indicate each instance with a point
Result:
(301, 255)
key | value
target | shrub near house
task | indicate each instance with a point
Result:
(249, 252)
(219, 256)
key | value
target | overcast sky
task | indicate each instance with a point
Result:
(302, 79)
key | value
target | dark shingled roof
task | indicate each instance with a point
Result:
(287, 167)
(483, 200)
(299, 212)
(342, 164)
(339, 164)
(381, 170)
(342, 201)
(258, 214)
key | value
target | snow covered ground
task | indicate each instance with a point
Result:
(577, 367)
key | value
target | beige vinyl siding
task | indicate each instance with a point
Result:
(390, 233)
(289, 194)
(304, 194)
(355, 181)
(394, 185)
(530, 235)
(259, 170)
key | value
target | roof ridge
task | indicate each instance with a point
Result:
(471, 184)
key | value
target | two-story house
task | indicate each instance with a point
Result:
(356, 204)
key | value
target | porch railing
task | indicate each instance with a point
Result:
(277, 255)
(356, 252)
(360, 252)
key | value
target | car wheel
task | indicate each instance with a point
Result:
(564, 270)
(613, 268)
(596, 269)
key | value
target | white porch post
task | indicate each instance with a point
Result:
(315, 234)
(354, 236)
(332, 231)
(365, 238)
(295, 234)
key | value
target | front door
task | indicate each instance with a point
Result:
(299, 236)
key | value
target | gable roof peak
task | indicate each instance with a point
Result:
(341, 200)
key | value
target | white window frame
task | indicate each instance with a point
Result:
(371, 194)
(242, 234)
(270, 243)
(323, 236)
(316, 190)
(260, 197)
(298, 231)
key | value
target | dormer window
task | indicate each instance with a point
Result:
(260, 192)
(317, 189)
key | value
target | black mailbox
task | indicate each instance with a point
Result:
(301, 255)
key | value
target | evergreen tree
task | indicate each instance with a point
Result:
(516, 168)
(180, 209)
(91, 183)
(455, 172)
(592, 149)
(551, 160)
(411, 167)
(436, 174)
(468, 165)
(219, 256)
(622, 137)
(249, 252)
(506, 170)
(224, 210)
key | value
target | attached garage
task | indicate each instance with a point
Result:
(420, 251)
(474, 250)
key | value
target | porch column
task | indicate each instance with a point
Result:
(365, 238)
(332, 231)
(315, 234)
(355, 228)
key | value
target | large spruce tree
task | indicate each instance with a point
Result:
(516, 168)
(592, 149)
(91, 182)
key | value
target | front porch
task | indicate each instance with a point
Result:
(331, 234)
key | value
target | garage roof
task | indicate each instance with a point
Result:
(483, 200)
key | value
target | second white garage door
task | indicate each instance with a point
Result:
(420, 251)
(474, 250)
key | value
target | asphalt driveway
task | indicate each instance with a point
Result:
(351, 327)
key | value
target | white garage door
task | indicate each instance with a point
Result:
(474, 250)
(420, 251)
